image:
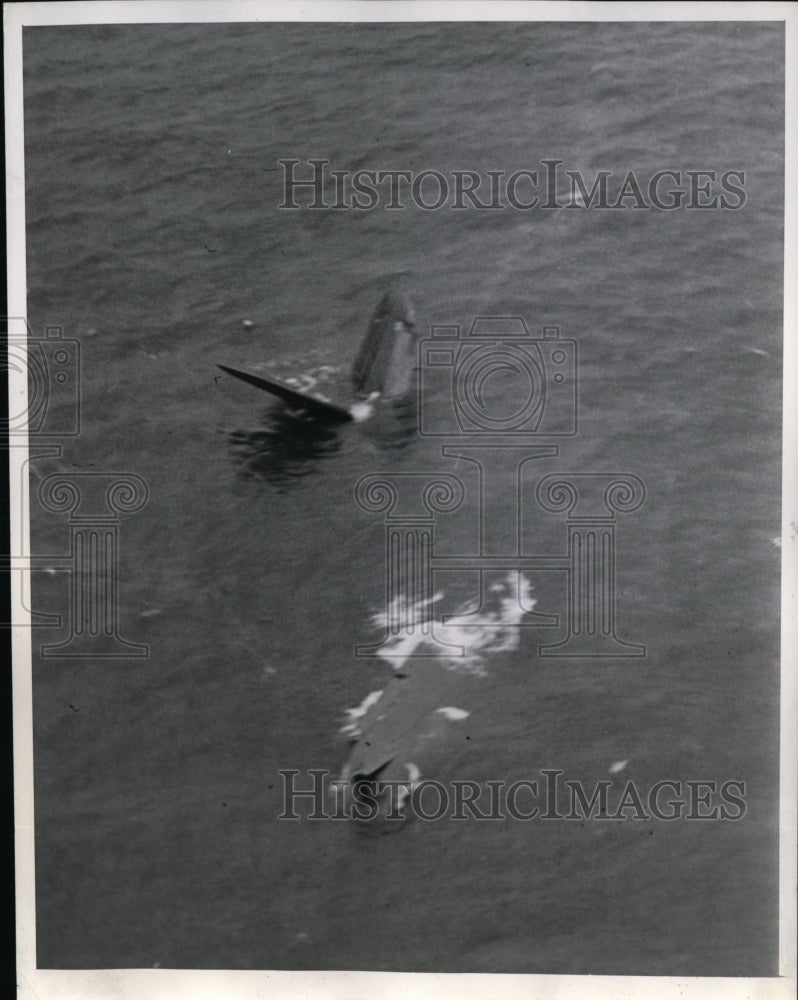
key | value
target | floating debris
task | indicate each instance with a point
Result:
(410, 724)
(453, 714)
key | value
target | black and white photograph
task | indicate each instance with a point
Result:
(401, 464)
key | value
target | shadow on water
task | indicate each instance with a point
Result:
(289, 446)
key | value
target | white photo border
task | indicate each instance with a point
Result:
(155, 984)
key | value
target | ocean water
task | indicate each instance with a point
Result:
(153, 232)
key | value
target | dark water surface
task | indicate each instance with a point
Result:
(153, 232)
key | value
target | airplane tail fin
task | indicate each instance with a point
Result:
(387, 356)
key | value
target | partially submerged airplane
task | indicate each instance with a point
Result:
(383, 368)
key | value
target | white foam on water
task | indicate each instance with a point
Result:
(453, 714)
(303, 382)
(494, 632)
(413, 772)
(310, 379)
(351, 727)
(361, 411)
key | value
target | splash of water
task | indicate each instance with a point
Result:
(478, 631)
